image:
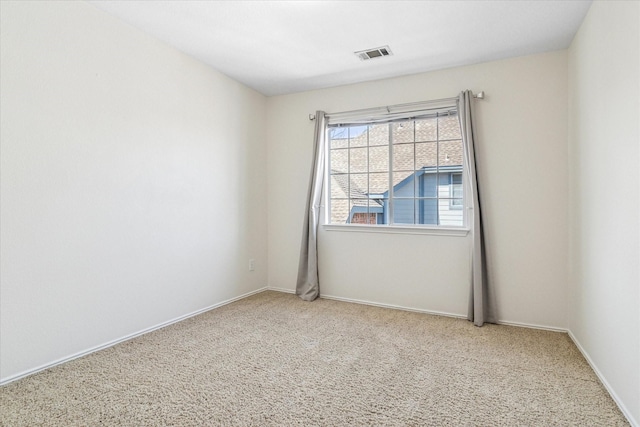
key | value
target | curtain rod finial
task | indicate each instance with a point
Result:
(312, 116)
(479, 95)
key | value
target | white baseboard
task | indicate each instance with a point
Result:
(531, 326)
(393, 306)
(276, 289)
(374, 304)
(603, 380)
(425, 311)
(62, 360)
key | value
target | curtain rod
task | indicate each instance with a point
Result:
(479, 95)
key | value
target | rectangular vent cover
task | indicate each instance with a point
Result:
(377, 52)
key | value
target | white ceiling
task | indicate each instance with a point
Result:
(279, 47)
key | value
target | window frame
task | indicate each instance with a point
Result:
(391, 227)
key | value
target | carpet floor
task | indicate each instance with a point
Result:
(274, 360)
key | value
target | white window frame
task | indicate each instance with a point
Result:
(389, 115)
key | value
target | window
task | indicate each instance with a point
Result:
(404, 171)
(456, 191)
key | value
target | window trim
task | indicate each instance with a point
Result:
(399, 229)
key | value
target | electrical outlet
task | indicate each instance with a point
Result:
(252, 264)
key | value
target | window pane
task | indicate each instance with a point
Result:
(403, 211)
(339, 186)
(379, 134)
(339, 137)
(444, 179)
(426, 154)
(358, 136)
(365, 211)
(379, 159)
(448, 216)
(448, 127)
(456, 187)
(359, 208)
(358, 160)
(378, 183)
(339, 211)
(402, 132)
(398, 177)
(428, 211)
(428, 185)
(403, 157)
(444, 185)
(426, 129)
(404, 187)
(339, 160)
(364, 218)
(359, 185)
(456, 191)
(450, 153)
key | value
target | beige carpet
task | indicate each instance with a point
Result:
(275, 360)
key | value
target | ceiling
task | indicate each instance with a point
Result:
(279, 47)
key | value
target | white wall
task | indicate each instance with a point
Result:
(523, 165)
(604, 97)
(133, 186)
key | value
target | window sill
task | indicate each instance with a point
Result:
(397, 229)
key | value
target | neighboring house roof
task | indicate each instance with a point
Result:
(360, 161)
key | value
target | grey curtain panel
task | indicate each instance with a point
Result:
(308, 286)
(481, 309)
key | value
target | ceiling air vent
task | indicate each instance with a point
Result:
(377, 52)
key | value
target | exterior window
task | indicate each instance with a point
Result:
(406, 172)
(456, 191)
